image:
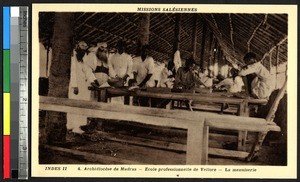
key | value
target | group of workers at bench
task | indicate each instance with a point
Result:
(94, 66)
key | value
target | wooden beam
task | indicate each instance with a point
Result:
(144, 29)
(227, 52)
(205, 145)
(271, 115)
(84, 22)
(270, 61)
(216, 25)
(231, 31)
(109, 33)
(182, 30)
(228, 153)
(194, 36)
(142, 141)
(154, 116)
(152, 33)
(255, 30)
(177, 32)
(212, 54)
(274, 47)
(203, 42)
(195, 144)
(91, 157)
(277, 62)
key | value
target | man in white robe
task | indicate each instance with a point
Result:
(78, 87)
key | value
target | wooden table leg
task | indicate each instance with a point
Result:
(195, 146)
(131, 100)
(170, 105)
(102, 95)
(205, 145)
(242, 135)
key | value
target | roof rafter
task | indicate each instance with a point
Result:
(231, 31)
(255, 30)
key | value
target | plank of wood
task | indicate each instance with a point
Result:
(242, 137)
(271, 115)
(142, 141)
(238, 126)
(205, 146)
(134, 117)
(228, 153)
(221, 137)
(144, 110)
(195, 145)
(186, 96)
(92, 157)
(181, 118)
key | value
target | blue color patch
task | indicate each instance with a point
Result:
(6, 27)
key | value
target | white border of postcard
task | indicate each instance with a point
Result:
(289, 171)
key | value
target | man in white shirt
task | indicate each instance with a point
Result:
(232, 85)
(143, 68)
(120, 64)
(263, 84)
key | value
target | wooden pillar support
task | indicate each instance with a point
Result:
(277, 62)
(194, 41)
(144, 29)
(242, 135)
(195, 144)
(177, 31)
(211, 43)
(203, 43)
(270, 61)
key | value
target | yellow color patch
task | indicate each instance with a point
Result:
(6, 114)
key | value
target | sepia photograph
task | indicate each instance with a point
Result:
(160, 90)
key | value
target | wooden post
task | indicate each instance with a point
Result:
(271, 115)
(205, 144)
(242, 135)
(177, 31)
(102, 95)
(55, 123)
(277, 61)
(220, 58)
(144, 30)
(194, 41)
(195, 145)
(270, 61)
(211, 43)
(215, 53)
(48, 50)
(204, 30)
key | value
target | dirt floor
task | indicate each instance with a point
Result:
(119, 141)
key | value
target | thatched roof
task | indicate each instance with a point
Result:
(234, 34)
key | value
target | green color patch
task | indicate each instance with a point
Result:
(6, 71)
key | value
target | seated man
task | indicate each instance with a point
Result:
(263, 84)
(206, 80)
(185, 77)
(232, 85)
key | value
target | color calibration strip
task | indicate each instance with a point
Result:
(6, 93)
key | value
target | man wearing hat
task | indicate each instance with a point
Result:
(97, 64)
(78, 87)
